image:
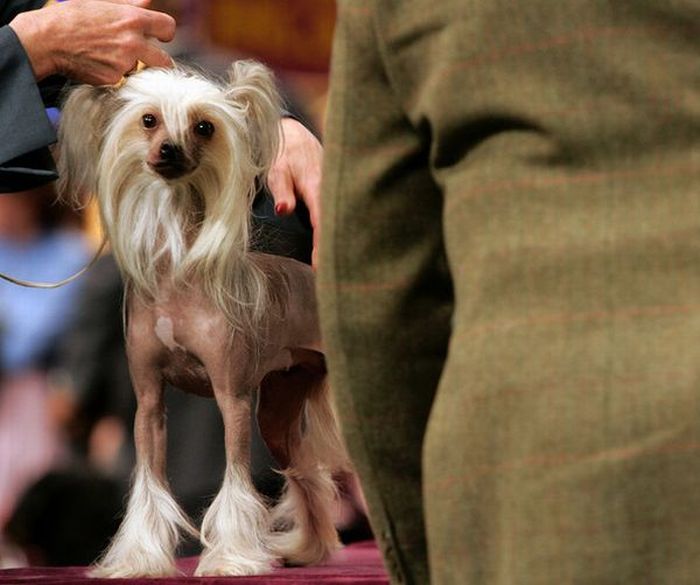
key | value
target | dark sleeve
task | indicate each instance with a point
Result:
(26, 131)
(25, 161)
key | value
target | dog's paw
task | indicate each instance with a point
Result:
(129, 571)
(229, 563)
(299, 548)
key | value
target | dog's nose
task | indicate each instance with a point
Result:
(171, 153)
(171, 162)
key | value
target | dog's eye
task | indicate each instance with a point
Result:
(149, 121)
(204, 128)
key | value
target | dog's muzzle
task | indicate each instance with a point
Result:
(172, 162)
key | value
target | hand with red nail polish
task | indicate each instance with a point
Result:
(296, 173)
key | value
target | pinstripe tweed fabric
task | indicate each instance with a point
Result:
(538, 163)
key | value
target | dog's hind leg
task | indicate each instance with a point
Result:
(235, 527)
(148, 535)
(298, 422)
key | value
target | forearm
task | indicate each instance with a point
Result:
(38, 35)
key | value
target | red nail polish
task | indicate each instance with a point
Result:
(281, 208)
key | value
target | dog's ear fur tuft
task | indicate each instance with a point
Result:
(252, 86)
(84, 119)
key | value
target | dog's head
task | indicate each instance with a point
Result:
(173, 158)
(169, 125)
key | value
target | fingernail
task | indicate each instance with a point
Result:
(280, 208)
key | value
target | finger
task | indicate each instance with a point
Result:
(316, 244)
(306, 155)
(309, 189)
(159, 25)
(155, 57)
(282, 190)
(313, 203)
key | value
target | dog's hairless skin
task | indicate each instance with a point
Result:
(164, 332)
(176, 332)
(173, 159)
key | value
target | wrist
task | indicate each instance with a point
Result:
(34, 35)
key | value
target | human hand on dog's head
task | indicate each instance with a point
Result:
(296, 173)
(93, 41)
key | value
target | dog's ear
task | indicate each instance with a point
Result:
(251, 86)
(84, 118)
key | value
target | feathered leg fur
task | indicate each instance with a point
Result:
(146, 540)
(235, 527)
(305, 532)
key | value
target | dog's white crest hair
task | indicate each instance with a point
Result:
(195, 228)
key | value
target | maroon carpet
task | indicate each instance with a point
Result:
(357, 563)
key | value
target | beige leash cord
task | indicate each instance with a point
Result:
(48, 285)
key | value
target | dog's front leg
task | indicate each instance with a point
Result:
(145, 542)
(236, 525)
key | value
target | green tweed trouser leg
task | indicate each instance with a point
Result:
(510, 285)
(383, 265)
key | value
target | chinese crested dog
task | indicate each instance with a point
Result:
(174, 160)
